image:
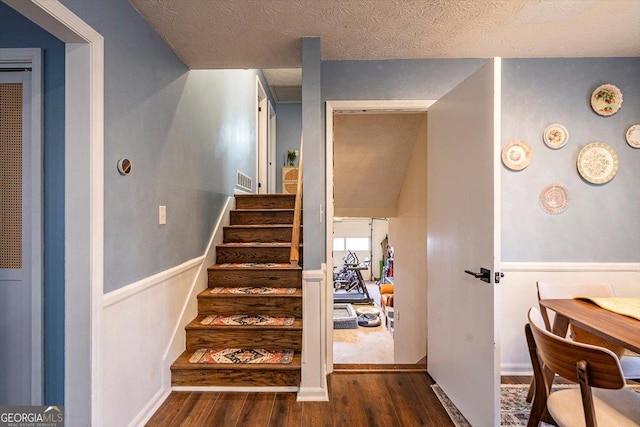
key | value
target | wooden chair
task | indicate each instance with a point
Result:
(602, 398)
(549, 290)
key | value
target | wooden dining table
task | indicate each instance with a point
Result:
(620, 329)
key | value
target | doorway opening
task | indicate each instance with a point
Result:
(358, 285)
(367, 172)
(262, 146)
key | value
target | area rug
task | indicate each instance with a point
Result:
(247, 320)
(253, 290)
(241, 356)
(514, 409)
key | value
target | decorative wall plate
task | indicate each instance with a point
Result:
(633, 136)
(598, 163)
(554, 199)
(606, 100)
(516, 155)
(555, 136)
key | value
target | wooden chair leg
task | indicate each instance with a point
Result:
(541, 388)
(532, 390)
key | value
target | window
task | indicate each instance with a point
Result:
(338, 244)
(357, 243)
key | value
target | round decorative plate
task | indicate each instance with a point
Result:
(554, 199)
(516, 155)
(598, 163)
(606, 100)
(633, 136)
(555, 136)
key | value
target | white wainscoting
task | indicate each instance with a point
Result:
(519, 292)
(143, 333)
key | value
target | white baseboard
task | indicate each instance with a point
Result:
(516, 369)
(147, 412)
(313, 394)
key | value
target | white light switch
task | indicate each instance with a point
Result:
(162, 215)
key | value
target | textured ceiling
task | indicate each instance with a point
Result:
(266, 33)
(371, 156)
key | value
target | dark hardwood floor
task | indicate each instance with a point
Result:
(356, 399)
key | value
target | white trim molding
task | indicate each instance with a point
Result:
(148, 282)
(313, 386)
(571, 266)
(84, 198)
(378, 106)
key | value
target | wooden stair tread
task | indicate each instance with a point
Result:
(196, 325)
(207, 294)
(269, 195)
(248, 266)
(265, 210)
(254, 226)
(255, 244)
(182, 363)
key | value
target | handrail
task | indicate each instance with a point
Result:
(294, 256)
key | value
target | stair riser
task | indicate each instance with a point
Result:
(264, 235)
(273, 339)
(239, 278)
(260, 218)
(253, 254)
(235, 377)
(266, 202)
(269, 305)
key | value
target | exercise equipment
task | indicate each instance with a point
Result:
(348, 283)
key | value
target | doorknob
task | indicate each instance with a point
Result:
(484, 275)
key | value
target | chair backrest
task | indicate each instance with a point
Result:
(562, 356)
(552, 290)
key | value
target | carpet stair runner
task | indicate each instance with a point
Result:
(248, 331)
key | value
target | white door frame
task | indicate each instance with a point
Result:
(32, 261)
(381, 106)
(84, 202)
(271, 153)
(262, 120)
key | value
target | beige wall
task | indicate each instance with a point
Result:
(408, 236)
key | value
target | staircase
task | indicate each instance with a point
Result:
(254, 253)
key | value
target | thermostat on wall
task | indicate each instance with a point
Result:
(124, 166)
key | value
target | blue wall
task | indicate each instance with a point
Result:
(186, 133)
(394, 79)
(602, 223)
(288, 130)
(18, 32)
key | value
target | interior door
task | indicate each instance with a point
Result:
(18, 323)
(463, 234)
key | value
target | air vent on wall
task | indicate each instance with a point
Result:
(287, 94)
(244, 181)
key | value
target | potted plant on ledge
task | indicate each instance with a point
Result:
(291, 158)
